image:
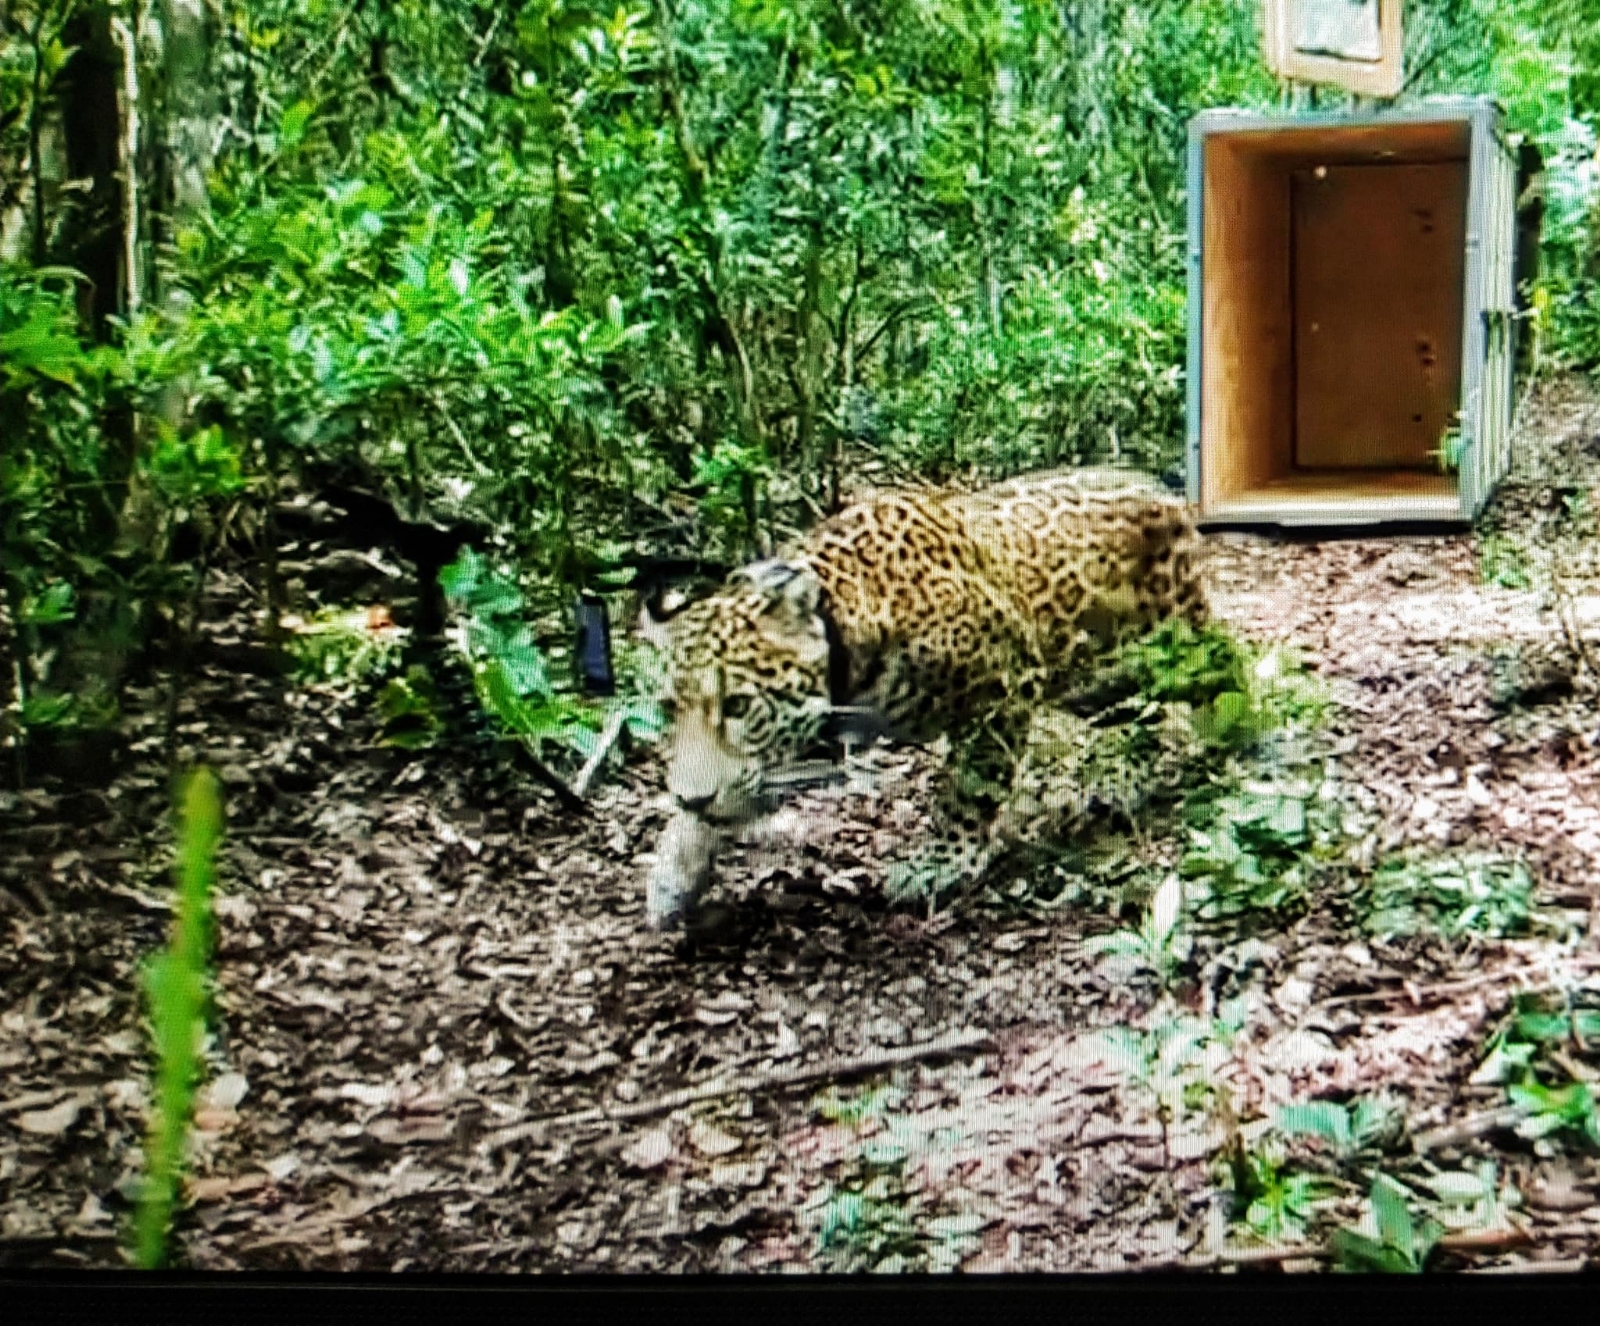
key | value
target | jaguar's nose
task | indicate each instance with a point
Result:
(697, 803)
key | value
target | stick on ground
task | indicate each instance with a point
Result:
(749, 1084)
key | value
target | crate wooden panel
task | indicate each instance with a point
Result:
(1350, 303)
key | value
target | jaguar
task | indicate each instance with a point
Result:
(984, 614)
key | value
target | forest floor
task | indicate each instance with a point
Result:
(421, 972)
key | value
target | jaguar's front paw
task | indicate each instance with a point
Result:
(684, 859)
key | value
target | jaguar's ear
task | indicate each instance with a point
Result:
(794, 590)
(655, 618)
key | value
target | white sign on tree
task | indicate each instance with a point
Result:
(1352, 44)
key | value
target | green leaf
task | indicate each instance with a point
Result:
(1319, 1118)
(1228, 711)
(887, 1152)
(1289, 818)
(524, 665)
(458, 579)
(1393, 1215)
(1459, 1188)
(292, 124)
(55, 605)
(1357, 1252)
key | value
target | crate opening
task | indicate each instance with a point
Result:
(1333, 286)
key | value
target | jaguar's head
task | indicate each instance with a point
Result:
(748, 690)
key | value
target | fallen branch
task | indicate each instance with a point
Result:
(609, 735)
(747, 1084)
(1475, 1240)
(1474, 1125)
(1567, 1267)
(1486, 1240)
(1543, 975)
(1247, 1257)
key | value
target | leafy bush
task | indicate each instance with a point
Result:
(59, 493)
(343, 646)
(509, 670)
(511, 673)
(1254, 854)
(1454, 895)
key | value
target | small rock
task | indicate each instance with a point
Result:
(651, 1151)
(227, 1091)
(53, 1121)
(751, 1175)
(711, 1141)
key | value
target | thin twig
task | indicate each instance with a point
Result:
(1567, 1266)
(1470, 1241)
(461, 438)
(744, 1084)
(1486, 1240)
(1416, 994)
(609, 736)
(569, 800)
(511, 1015)
(1246, 1257)
(334, 35)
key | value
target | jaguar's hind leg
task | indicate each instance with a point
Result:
(1072, 769)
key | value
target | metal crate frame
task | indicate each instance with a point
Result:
(1488, 308)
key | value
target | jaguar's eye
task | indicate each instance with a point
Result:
(736, 706)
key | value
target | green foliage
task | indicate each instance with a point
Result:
(509, 670)
(1240, 692)
(1453, 895)
(1275, 1202)
(1352, 1130)
(854, 1108)
(1177, 662)
(1156, 944)
(1452, 446)
(408, 706)
(1536, 1024)
(1553, 1109)
(175, 986)
(187, 471)
(62, 480)
(1253, 854)
(1530, 1032)
(343, 647)
(871, 1219)
(866, 1227)
(1538, 1038)
(1503, 563)
(1174, 1062)
(1390, 1239)
(1468, 1199)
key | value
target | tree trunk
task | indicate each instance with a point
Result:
(89, 232)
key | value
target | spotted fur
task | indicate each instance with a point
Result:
(929, 611)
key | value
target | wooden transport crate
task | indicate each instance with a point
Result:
(1351, 314)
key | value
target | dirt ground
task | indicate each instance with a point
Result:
(446, 1042)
